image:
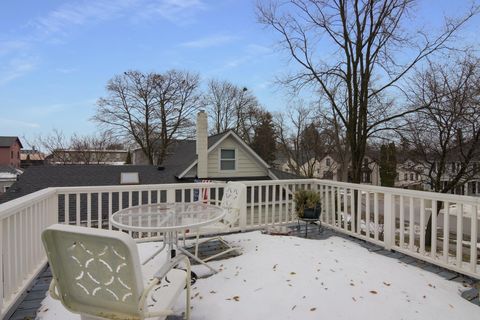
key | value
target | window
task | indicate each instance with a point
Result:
(418, 176)
(227, 159)
(453, 166)
(405, 176)
(129, 178)
(11, 154)
(327, 161)
(397, 176)
(411, 176)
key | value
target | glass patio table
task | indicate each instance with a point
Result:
(168, 219)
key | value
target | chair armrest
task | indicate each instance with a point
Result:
(53, 289)
(170, 265)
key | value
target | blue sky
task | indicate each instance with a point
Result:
(56, 56)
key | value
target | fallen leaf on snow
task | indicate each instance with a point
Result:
(373, 292)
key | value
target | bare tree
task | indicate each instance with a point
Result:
(371, 54)
(54, 145)
(445, 137)
(150, 108)
(300, 140)
(178, 99)
(232, 107)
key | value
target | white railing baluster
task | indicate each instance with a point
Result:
(411, 224)
(375, 215)
(446, 231)
(422, 226)
(402, 222)
(433, 239)
(473, 237)
(89, 209)
(459, 250)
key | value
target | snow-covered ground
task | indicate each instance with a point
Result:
(282, 277)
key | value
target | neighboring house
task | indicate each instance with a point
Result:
(67, 156)
(410, 175)
(10, 151)
(31, 157)
(8, 176)
(329, 168)
(223, 156)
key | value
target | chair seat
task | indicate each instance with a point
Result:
(214, 228)
(164, 295)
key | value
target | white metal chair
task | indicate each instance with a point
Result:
(97, 273)
(232, 200)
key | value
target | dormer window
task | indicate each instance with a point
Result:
(327, 161)
(227, 159)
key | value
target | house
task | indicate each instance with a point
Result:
(31, 157)
(10, 151)
(410, 175)
(219, 157)
(8, 176)
(330, 169)
(94, 156)
(223, 156)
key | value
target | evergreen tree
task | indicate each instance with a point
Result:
(388, 164)
(129, 158)
(263, 142)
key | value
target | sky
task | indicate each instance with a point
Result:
(57, 56)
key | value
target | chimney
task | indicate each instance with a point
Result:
(202, 145)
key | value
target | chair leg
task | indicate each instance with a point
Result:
(196, 244)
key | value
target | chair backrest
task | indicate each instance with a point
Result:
(233, 196)
(97, 271)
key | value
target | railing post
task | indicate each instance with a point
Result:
(388, 221)
(242, 220)
(171, 195)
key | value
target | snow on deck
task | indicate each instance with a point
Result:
(282, 277)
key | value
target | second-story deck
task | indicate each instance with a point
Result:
(392, 220)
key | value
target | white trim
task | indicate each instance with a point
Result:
(242, 143)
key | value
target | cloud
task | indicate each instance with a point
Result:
(8, 47)
(210, 41)
(10, 123)
(74, 14)
(177, 11)
(16, 68)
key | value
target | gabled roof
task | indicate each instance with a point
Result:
(213, 142)
(7, 142)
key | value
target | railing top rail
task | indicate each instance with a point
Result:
(139, 187)
(405, 192)
(10, 207)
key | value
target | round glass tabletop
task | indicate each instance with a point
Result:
(164, 217)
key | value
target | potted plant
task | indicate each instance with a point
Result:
(307, 204)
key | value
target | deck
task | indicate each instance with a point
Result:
(28, 308)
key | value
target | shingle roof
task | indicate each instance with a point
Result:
(39, 177)
(6, 142)
(182, 153)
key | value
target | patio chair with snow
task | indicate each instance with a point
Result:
(233, 197)
(97, 274)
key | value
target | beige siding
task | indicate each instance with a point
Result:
(246, 166)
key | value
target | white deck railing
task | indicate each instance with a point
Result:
(393, 218)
